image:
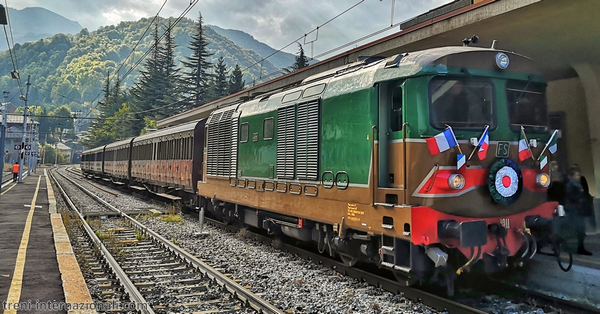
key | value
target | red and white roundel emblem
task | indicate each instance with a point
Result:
(506, 181)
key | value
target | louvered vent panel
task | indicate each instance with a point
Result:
(224, 146)
(286, 120)
(307, 155)
(212, 147)
(234, 147)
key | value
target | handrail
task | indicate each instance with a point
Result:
(404, 125)
(374, 175)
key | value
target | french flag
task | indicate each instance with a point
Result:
(441, 142)
(483, 144)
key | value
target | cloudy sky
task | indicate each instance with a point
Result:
(275, 22)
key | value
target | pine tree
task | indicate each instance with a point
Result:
(171, 91)
(105, 103)
(219, 86)
(236, 80)
(301, 60)
(116, 96)
(197, 79)
(147, 91)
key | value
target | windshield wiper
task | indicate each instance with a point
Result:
(524, 90)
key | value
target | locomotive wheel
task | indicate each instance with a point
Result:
(348, 260)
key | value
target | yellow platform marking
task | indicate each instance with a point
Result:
(14, 294)
(586, 260)
(12, 186)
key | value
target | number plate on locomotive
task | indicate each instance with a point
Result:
(502, 149)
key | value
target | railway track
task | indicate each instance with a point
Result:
(6, 178)
(132, 261)
(436, 302)
(513, 293)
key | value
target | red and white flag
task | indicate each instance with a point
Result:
(483, 144)
(524, 150)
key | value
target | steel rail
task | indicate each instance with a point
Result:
(415, 294)
(134, 294)
(440, 303)
(254, 301)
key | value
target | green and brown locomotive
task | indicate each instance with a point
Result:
(426, 163)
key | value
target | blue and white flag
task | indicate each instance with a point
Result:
(460, 161)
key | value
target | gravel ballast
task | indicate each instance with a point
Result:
(293, 284)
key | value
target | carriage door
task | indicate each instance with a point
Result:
(391, 143)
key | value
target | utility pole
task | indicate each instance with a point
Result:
(44, 149)
(24, 130)
(3, 136)
(31, 143)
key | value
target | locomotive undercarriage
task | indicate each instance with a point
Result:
(411, 264)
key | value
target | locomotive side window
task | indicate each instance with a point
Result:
(244, 132)
(268, 129)
(461, 103)
(396, 116)
(526, 104)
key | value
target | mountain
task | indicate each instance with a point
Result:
(246, 41)
(71, 69)
(47, 24)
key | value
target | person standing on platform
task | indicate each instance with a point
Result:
(577, 206)
(15, 171)
(558, 185)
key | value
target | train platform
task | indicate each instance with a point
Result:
(580, 283)
(38, 270)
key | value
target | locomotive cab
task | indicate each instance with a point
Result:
(479, 202)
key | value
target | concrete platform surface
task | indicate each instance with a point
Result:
(30, 273)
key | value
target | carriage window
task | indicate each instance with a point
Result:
(244, 132)
(526, 104)
(268, 129)
(461, 103)
(396, 116)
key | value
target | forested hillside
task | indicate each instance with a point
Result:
(71, 69)
(280, 59)
(47, 24)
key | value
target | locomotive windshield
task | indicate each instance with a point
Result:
(526, 104)
(462, 103)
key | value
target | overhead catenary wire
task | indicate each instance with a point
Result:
(139, 41)
(258, 62)
(10, 51)
(181, 16)
(192, 4)
(303, 36)
(71, 117)
(328, 52)
(13, 54)
(12, 38)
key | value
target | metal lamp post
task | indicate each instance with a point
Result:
(3, 136)
(3, 21)
(24, 130)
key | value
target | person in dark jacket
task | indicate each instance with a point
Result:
(558, 185)
(576, 206)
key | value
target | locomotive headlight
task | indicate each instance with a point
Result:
(502, 61)
(456, 181)
(542, 180)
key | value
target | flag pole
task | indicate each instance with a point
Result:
(478, 146)
(527, 141)
(473, 152)
(454, 136)
(549, 141)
